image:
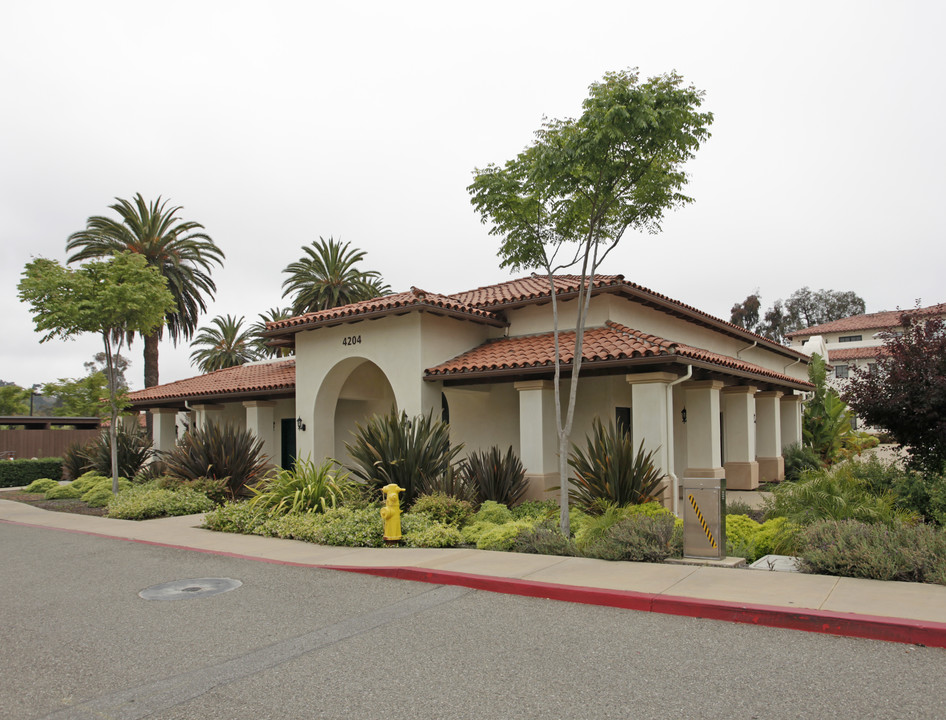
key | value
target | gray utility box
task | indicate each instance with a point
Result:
(704, 518)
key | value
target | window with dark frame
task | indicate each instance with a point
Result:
(840, 371)
(850, 338)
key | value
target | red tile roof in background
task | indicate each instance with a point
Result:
(531, 288)
(611, 342)
(276, 376)
(871, 321)
(415, 298)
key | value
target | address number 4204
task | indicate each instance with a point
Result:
(352, 340)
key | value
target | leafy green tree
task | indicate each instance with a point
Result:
(113, 298)
(14, 400)
(328, 276)
(906, 393)
(225, 344)
(746, 313)
(81, 397)
(178, 249)
(826, 422)
(567, 200)
(121, 363)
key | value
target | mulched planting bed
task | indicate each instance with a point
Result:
(65, 505)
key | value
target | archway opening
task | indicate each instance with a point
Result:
(364, 393)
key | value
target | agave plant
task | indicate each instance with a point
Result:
(134, 450)
(610, 469)
(414, 453)
(305, 488)
(219, 452)
(497, 477)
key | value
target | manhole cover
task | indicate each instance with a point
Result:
(194, 588)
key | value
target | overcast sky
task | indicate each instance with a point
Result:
(275, 123)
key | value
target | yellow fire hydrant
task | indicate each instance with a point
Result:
(391, 512)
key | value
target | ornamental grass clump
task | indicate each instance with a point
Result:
(610, 469)
(305, 488)
(134, 451)
(639, 538)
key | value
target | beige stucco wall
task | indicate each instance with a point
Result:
(401, 347)
(484, 415)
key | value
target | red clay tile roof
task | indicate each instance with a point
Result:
(278, 376)
(535, 288)
(871, 321)
(414, 299)
(611, 342)
(861, 353)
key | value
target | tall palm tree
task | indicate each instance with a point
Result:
(178, 248)
(224, 345)
(259, 327)
(327, 277)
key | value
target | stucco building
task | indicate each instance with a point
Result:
(712, 399)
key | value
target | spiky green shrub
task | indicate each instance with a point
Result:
(798, 460)
(221, 452)
(496, 476)
(597, 527)
(41, 485)
(415, 453)
(610, 469)
(900, 551)
(443, 508)
(74, 461)
(307, 487)
(453, 482)
(134, 450)
(833, 494)
(140, 502)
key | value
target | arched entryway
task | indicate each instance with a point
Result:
(352, 391)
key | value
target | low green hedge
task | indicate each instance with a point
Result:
(14, 473)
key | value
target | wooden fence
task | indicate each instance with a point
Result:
(41, 443)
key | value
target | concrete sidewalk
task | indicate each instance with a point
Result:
(895, 611)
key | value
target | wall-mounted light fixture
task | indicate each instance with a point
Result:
(300, 424)
(683, 415)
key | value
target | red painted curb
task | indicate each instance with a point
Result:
(871, 627)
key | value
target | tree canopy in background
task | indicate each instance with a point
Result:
(80, 397)
(177, 249)
(906, 393)
(567, 199)
(804, 308)
(328, 276)
(113, 298)
(14, 400)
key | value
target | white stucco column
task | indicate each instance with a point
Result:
(703, 432)
(538, 439)
(205, 414)
(769, 436)
(790, 411)
(164, 426)
(742, 470)
(649, 414)
(260, 420)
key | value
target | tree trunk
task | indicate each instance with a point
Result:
(151, 374)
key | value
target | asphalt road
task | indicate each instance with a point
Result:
(77, 641)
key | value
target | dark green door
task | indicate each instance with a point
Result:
(287, 458)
